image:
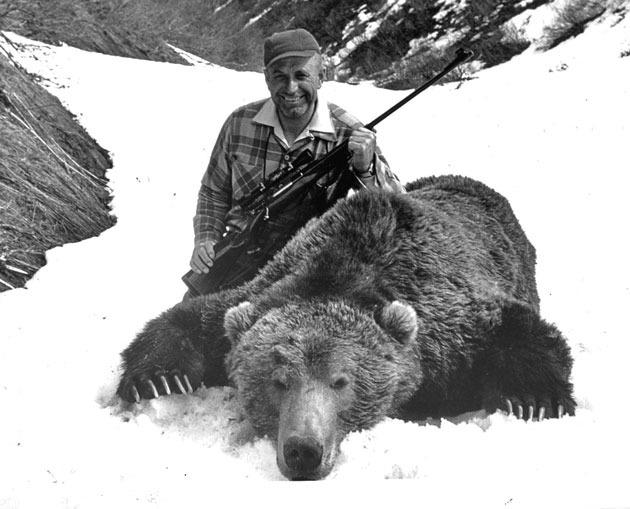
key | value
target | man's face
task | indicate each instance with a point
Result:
(293, 83)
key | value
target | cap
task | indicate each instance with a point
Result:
(290, 43)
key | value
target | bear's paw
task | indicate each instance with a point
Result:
(161, 361)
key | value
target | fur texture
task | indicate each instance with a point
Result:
(414, 305)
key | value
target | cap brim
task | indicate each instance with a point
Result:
(305, 53)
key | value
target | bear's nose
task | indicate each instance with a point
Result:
(302, 455)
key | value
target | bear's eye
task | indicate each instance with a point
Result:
(339, 382)
(280, 380)
(281, 385)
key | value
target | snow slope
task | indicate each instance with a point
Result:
(547, 130)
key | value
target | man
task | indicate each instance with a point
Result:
(265, 137)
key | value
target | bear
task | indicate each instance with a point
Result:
(414, 305)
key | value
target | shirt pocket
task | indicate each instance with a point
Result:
(245, 178)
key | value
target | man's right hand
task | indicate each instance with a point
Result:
(202, 257)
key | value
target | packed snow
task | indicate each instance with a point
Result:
(547, 130)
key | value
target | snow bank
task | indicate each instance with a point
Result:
(553, 141)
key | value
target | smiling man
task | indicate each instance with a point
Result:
(261, 139)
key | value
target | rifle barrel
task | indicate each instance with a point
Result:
(460, 57)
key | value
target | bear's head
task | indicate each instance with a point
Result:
(310, 372)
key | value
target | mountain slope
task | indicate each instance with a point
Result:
(399, 43)
(53, 188)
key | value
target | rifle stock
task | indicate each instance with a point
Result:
(228, 250)
(234, 262)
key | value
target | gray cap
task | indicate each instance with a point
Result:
(290, 43)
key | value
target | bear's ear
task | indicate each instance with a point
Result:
(399, 320)
(238, 320)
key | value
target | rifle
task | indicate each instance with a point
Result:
(238, 255)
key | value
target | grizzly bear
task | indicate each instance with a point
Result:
(409, 305)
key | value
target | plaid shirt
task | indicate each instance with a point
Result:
(251, 146)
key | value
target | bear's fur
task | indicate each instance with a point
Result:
(410, 305)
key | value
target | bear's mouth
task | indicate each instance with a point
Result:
(304, 478)
(316, 475)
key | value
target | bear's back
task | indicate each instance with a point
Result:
(458, 189)
(447, 232)
(488, 222)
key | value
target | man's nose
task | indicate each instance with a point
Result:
(292, 85)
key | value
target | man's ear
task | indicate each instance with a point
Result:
(238, 320)
(267, 75)
(319, 62)
(399, 321)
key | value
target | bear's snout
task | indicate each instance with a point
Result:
(302, 455)
(307, 430)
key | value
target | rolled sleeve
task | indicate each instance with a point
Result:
(380, 175)
(385, 177)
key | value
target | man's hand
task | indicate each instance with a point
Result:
(202, 257)
(362, 144)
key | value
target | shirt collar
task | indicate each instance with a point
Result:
(320, 125)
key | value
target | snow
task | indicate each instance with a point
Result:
(222, 6)
(553, 141)
(531, 23)
(363, 15)
(452, 7)
(259, 16)
(372, 24)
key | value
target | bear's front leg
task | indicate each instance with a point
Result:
(166, 357)
(180, 349)
(526, 368)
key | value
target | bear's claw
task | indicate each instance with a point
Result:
(153, 388)
(190, 389)
(179, 384)
(136, 394)
(167, 388)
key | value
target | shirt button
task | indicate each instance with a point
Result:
(287, 157)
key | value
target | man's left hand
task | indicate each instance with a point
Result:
(362, 144)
